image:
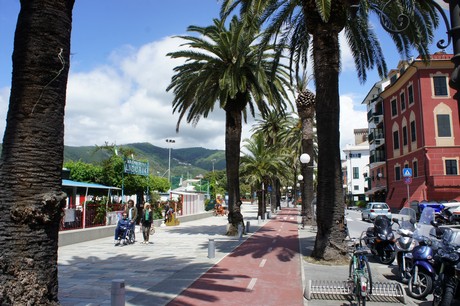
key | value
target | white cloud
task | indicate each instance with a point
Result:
(351, 118)
(125, 101)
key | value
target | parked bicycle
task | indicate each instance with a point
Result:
(359, 274)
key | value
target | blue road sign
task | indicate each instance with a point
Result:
(407, 172)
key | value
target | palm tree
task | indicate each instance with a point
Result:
(31, 194)
(317, 23)
(260, 166)
(271, 127)
(228, 67)
(305, 103)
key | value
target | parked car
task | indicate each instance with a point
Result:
(374, 209)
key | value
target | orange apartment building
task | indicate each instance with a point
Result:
(418, 127)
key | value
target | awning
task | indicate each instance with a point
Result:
(374, 190)
(87, 186)
(69, 183)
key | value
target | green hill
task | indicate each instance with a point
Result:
(188, 162)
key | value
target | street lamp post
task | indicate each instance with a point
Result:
(289, 191)
(300, 185)
(304, 169)
(170, 142)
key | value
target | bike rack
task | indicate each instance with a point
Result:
(381, 291)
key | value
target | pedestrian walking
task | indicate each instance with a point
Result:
(146, 222)
(238, 216)
(131, 210)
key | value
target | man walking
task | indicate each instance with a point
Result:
(131, 210)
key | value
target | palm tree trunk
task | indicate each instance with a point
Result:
(233, 128)
(330, 205)
(277, 193)
(31, 197)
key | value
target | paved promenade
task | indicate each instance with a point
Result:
(154, 274)
(265, 267)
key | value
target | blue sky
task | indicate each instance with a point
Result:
(119, 73)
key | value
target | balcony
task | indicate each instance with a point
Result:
(375, 116)
(379, 142)
(377, 156)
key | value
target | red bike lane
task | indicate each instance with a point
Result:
(263, 270)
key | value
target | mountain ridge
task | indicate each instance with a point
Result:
(185, 162)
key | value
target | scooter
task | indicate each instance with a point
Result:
(424, 268)
(380, 239)
(405, 243)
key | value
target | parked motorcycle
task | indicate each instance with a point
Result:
(423, 270)
(448, 256)
(405, 242)
(449, 214)
(380, 239)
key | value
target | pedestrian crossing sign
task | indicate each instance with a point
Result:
(407, 172)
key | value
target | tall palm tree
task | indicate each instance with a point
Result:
(305, 103)
(317, 23)
(31, 197)
(227, 67)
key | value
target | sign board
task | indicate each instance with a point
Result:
(407, 172)
(408, 180)
(136, 167)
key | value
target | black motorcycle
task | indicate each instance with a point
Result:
(448, 256)
(380, 239)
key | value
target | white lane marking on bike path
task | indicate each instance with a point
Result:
(251, 284)
(262, 263)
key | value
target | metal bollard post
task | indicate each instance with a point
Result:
(269, 214)
(118, 292)
(258, 219)
(211, 248)
(247, 226)
(240, 231)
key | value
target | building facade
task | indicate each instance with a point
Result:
(357, 164)
(421, 130)
(377, 189)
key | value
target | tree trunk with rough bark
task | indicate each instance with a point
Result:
(31, 197)
(330, 204)
(233, 128)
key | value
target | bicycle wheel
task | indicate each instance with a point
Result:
(361, 299)
(365, 267)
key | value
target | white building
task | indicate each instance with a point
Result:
(357, 165)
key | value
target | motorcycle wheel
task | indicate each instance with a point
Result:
(423, 288)
(387, 257)
(403, 275)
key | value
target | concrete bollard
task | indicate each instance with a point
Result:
(269, 214)
(247, 226)
(240, 231)
(211, 248)
(258, 219)
(118, 293)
